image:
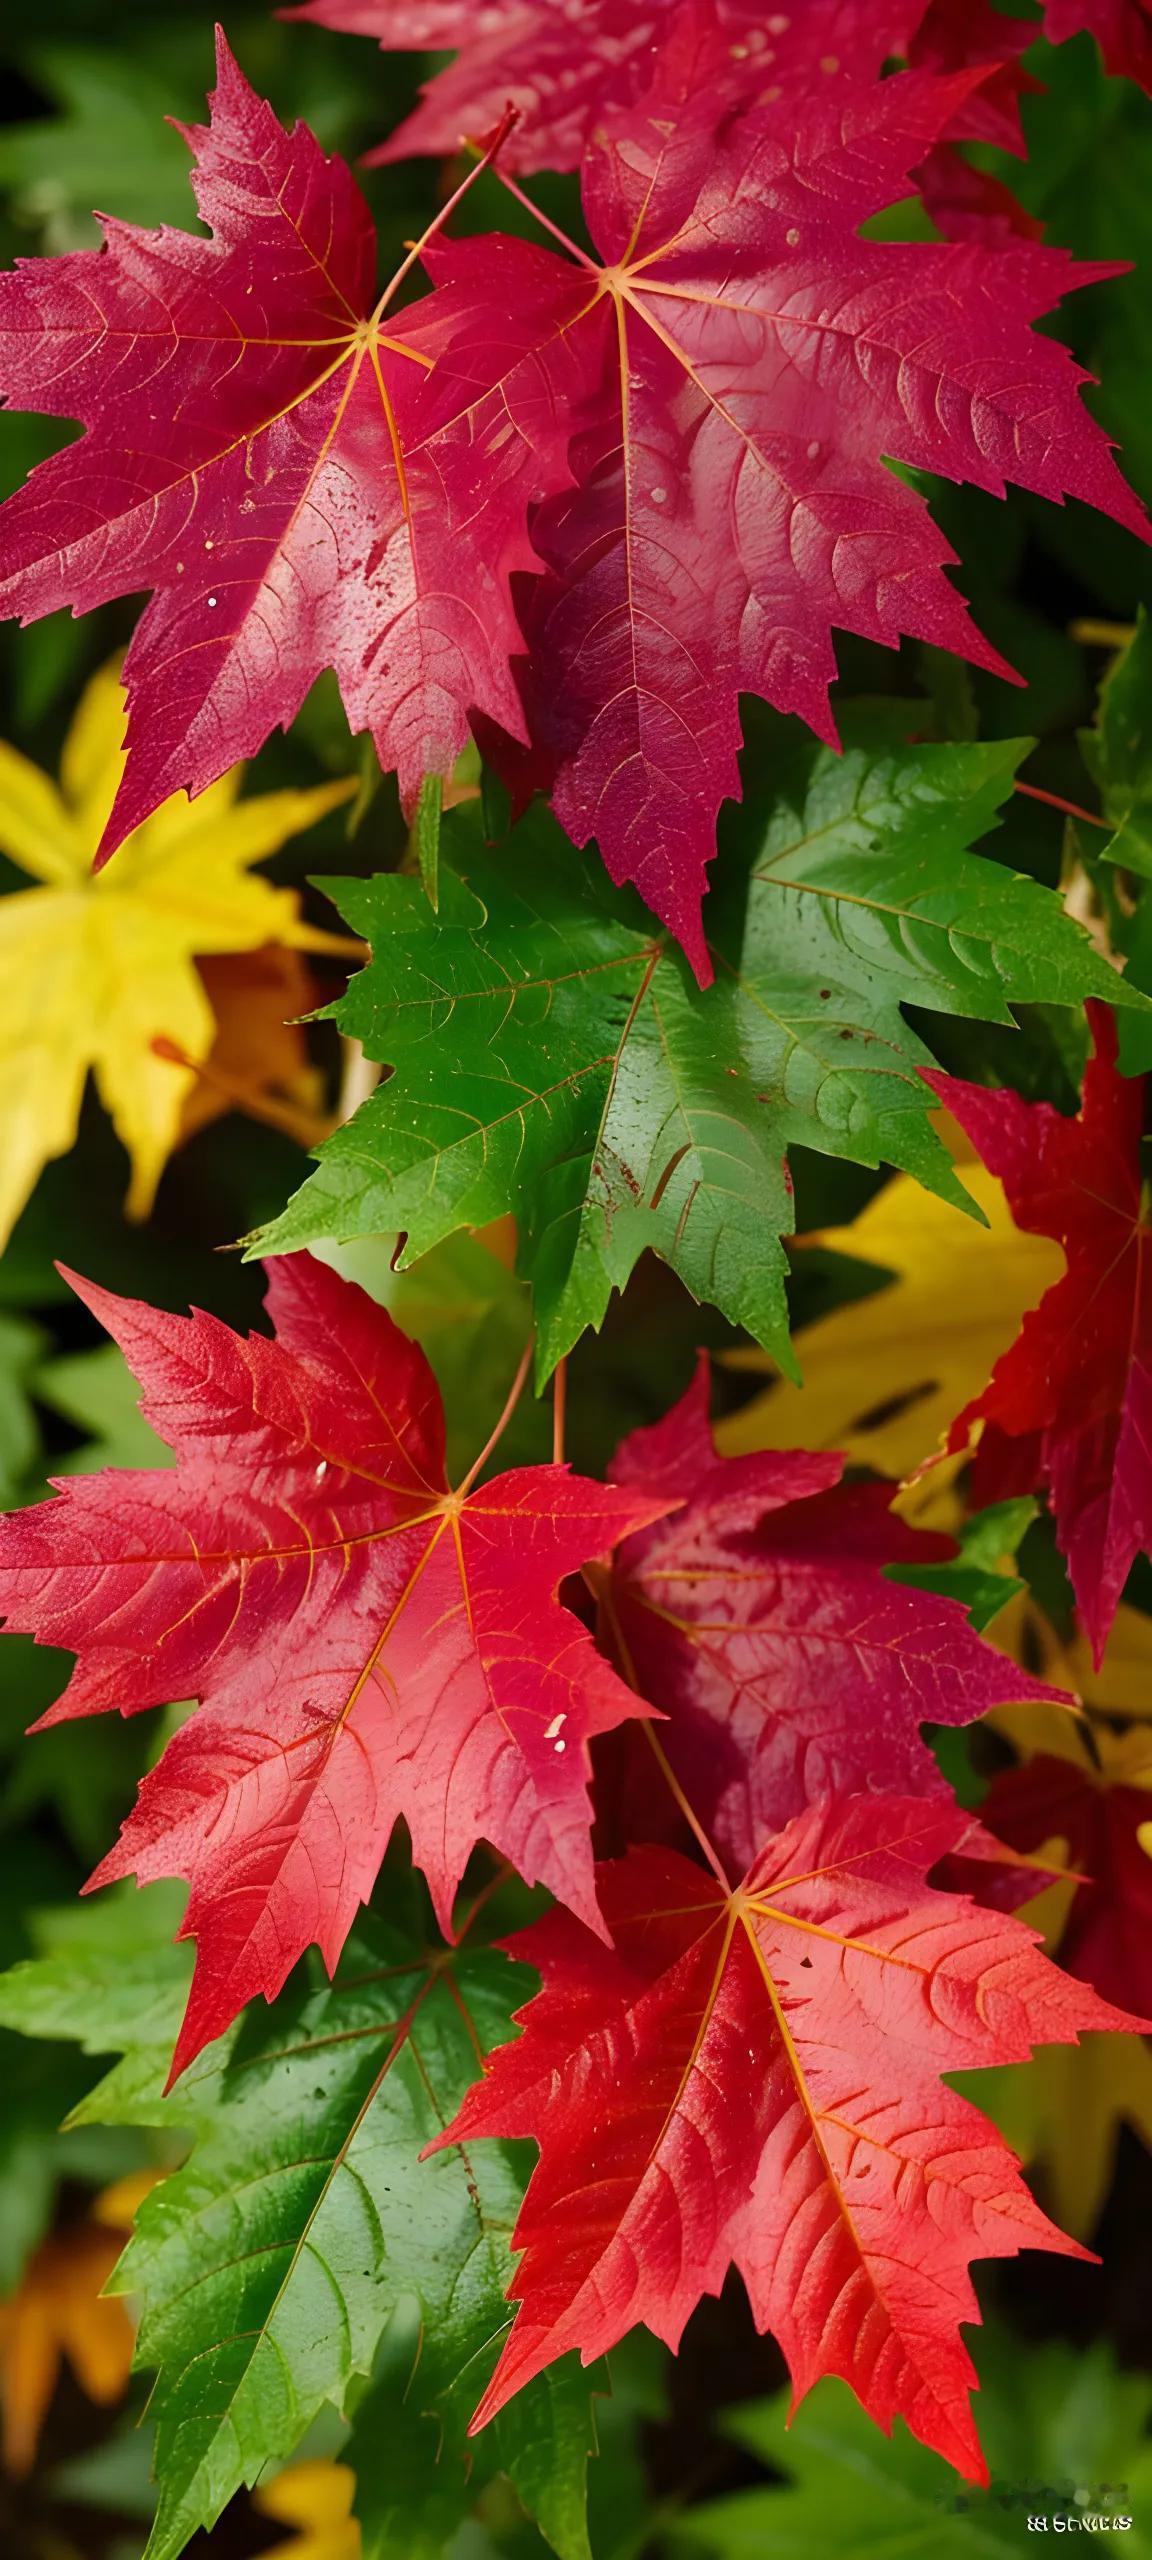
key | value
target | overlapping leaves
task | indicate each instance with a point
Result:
(1069, 1403)
(559, 64)
(269, 2268)
(551, 1054)
(686, 446)
(717, 2086)
(368, 1645)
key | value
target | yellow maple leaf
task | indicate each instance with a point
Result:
(259, 1057)
(1063, 2112)
(886, 1375)
(95, 967)
(1120, 1689)
(316, 2499)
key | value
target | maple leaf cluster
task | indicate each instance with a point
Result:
(736, 2055)
(581, 500)
(567, 500)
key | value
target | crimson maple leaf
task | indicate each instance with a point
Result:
(1107, 1937)
(1122, 28)
(560, 66)
(759, 1618)
(965, 202)
(367, 1644)
(1072, 1397)
(748, 360)
(305, 481)
(752, 2078)
(953, 34)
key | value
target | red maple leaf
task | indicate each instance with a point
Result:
(747, 361)
(271, 452)
(561, 65)
(753, 2079)
(368, 1645)
(965, 202)
(1107, 1937)
(1071, 1400)
(955, 34)
(760, 1620)
(1122, 28)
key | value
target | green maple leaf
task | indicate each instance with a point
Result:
(1065, 2435)
(552, 1055)
(305, 2245)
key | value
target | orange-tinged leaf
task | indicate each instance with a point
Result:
(258, 1061)
(60, 2313)
(753, 2078)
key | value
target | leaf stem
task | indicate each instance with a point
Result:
(511, 1401)
(559, 1410)
(510, 117)
(695, 1826)
(599, 1581)
(545, 221)
(1071, 808)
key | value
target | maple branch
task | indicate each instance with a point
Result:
(511, 1401)
(509, 119)
(559, 1410)
(695, 1826)
(1071, 808)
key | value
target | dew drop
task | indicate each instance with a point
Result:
(779, 25)
(211, 599)
(209, 545)
(813, 449)
(830, 62)
(658, 497)
(793, 238)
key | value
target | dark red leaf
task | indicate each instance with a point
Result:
(1075, 1389)
(759, 1618)
(1122, 28)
